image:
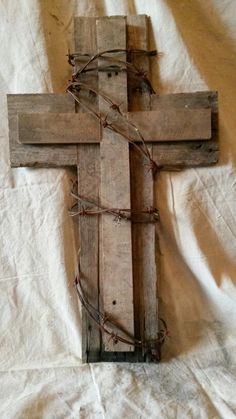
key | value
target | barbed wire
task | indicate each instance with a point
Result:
(74, 89)
(121, 65)
(109, 327)
(87, 206)
(151, 214)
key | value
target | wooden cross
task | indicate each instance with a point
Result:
(118, 266)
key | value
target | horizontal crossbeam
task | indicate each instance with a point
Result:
(176, 153)
(58, 128)
(82, 128)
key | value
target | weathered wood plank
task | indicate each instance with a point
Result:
(33, 155)
(188, 154)
(195, 100)
(172, 124)
(89, 186)
(138, 36)
(184, 154)
(161, 125)
(145, 262)
(116, 278)
(58, 128)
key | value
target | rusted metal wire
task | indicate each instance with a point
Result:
(122, 64)
(128, 51)
(149, 215)
(109, 327)
(76, 86)
(88, 207)
(74, 89)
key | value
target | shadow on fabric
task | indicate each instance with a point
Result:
(211, 229)
(214, 54)
(182, 301)
(58, 26)
(189, 279)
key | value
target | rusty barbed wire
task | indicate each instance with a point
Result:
(118, 213)
(128, 51)
(122, 65)
(75, 87)
(102, 320)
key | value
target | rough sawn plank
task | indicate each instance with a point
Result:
(84, 128)
(145, 260)
(116, 273)
(33, 155)
(58, 128)
(89, 186)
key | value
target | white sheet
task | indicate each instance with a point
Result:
(40, 370)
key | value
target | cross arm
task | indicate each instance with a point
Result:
(158, 125)
(174, 153)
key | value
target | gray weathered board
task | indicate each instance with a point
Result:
(183, 154)
(65, 128)
(119, 264)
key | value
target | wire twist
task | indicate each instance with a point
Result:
(102, 320)
(118, 213)
(107, 325)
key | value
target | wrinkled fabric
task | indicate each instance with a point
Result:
(41, 373)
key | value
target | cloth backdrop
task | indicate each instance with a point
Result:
(41, 374)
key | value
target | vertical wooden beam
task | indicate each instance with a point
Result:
(142, 195)
(117, 295)
(116, 277)
(89, 185)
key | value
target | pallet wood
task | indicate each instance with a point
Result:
(184, 154)
(177, 155)
(161, 125)
(89, 185)
(58, 128)
(188, 154)
(145, 258)
(194, 100)
(173, 124)
(48, 156)
(116, 277)
(136, 29)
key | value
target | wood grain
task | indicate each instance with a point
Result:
(116, 277)
(58, 128)
(192, 100)
(145, 261)
(172, 124)
(185, 154)
(188, 154)
(84, 128)
(89, 186)
(33, 155)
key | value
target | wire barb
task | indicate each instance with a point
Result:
(109, 327)
(147, 215)
(76, 87)
(122, 64)
(110, 62)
